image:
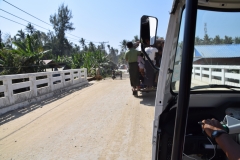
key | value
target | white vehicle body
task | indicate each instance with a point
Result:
(169, 58)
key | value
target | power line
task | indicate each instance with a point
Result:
(66, 36)
(27, 13)
(30, 22)
(32, 16)
(41, 21)
(25, 25)
(24, 19)
(13, 21)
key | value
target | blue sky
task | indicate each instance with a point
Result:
(217, 23)
(95, 20)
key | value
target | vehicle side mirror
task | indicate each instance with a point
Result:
(148, 30)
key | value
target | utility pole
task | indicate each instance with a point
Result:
(205, 28)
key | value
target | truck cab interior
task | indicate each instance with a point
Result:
(199, 78)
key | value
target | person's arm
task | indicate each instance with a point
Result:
(227, 144)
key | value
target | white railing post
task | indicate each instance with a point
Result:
(72, 77)
(239, 77)
(50, 80)
(79, 74)
(200, 73)
(85, 73)
(193, 72)
(33, 86)
(223, 76)
(4, 81)
(9, 90)
(210, 75)
(63, 79)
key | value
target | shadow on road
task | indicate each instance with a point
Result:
(9, 116)
(148, 99)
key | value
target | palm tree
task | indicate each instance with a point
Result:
(237, 40)
(7, 61)
(30, 59)
(108, 48)
(21, 35)
(82, 42)
(30, 28)
(44, 38)
(198, 41)
(207, 40)
(228, 40)
(136, 38)
(91, 46)
(123, 45)
(102, 46)
(217, 40)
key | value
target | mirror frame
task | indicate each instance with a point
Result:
(143, 46)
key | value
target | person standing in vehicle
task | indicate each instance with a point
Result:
(149, 78)
(131, 56)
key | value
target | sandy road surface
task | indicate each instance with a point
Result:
(100, 121)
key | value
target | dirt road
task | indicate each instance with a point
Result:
(100, 121)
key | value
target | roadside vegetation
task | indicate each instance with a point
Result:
(25, 51)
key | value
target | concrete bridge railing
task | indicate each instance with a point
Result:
(213, 74)
(22, 89)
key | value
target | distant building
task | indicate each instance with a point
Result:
(225, 54)
(50, 65)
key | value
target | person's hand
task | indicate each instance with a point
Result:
(210, 125)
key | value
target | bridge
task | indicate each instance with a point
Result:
(66, 117)
(99, 120)
(23, 89)
(220, 74)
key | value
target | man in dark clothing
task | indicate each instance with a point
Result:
(131, 56)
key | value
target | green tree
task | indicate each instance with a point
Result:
(207, 40)
(51, 43)
(123, 45)
(82, 42)
(21, 35)
(102, 46)
(237, 40)
(30, 28)
(77, 60)
(26, 57)
(198, 41)
(91, 47)
(217, 40)
(108, 46)
(135, 39)
(30, 55)
(61, 23)
(228, 40)
(7, 62)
